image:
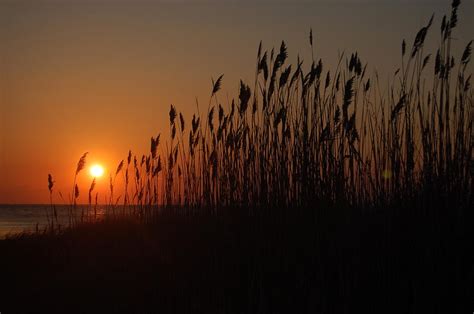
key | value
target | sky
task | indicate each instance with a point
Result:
(99, 76)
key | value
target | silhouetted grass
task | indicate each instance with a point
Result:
(311, 192)
(394, 260)
(303, 138)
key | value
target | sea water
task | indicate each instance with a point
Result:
(16, 218)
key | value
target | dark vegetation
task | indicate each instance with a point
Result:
(385, 261)
(313, 192)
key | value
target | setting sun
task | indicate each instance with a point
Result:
(97, 171)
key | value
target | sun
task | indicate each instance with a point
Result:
(96, 171)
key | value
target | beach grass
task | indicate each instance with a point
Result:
(314, 191)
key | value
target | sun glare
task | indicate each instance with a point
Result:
(97, 171)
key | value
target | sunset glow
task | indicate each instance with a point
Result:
(210, 156)
(97, 171)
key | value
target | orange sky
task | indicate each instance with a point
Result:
(79, 76)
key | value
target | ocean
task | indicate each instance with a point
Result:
(15, 218)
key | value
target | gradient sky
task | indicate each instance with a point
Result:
(99, 76)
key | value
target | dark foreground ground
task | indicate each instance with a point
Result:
(387, 261)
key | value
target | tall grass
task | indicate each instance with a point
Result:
(317, 146)
(299, 139)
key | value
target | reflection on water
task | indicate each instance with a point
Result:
(18, 218)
